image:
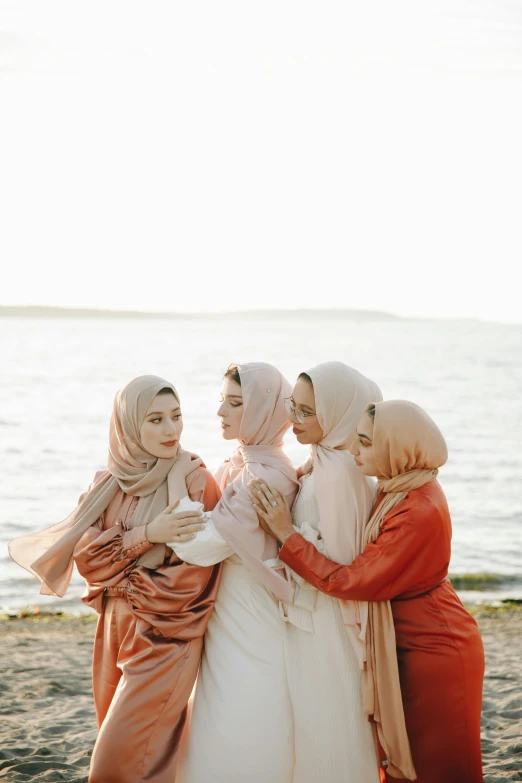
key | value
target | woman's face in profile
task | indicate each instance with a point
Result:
(231, 409)
(362, 447)
(302, 414)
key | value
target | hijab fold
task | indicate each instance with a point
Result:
(409, 448)
(344, 496)
(49, 554)
(260, 456)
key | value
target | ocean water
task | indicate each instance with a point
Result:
(59, 376)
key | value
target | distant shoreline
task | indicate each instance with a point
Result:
(37, 311)
(369, 316)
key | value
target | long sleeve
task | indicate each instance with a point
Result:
(208, 547)
(178, 596)
(410, 555)
(101, 555)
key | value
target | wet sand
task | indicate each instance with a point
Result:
(47, 725)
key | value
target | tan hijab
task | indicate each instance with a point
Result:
(49, 554)
(409, 448)
(344, 496)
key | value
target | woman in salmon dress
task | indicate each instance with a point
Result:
(153, 608)
(424, 667)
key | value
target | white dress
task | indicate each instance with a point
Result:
(333, 738)
(241, 728)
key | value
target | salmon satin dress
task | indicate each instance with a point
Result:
(148, 643)
(439, 649)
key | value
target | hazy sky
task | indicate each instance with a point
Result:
(233, 155)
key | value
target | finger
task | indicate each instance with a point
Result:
(280, 498)
(256, 492)
(185, 537)
(188, 529)
(259, 509)
(171, 508)
(260, 493)
(265, 501)
(262, 513)
(187, 514)
(272, 499)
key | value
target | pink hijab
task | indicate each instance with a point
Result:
(344, 496)
(260, 455)
(49, 554)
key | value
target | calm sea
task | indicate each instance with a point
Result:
(59, 376)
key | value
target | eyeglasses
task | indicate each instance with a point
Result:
(297, 412)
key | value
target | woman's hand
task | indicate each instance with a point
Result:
(170, 527)
(272, 510)
(189, 462)
(186, 463)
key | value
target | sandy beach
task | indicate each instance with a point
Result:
(48, 725)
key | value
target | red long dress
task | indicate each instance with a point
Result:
(148, 642)
(439, 649)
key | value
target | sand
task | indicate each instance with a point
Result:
(502, 700)
(47, 725)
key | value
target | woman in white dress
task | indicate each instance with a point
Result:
(324, 637)
(241, 727)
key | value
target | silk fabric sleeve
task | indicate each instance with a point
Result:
(100, 555)
(409, 555)
(177, 597)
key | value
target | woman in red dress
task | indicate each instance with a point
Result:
(424, 665)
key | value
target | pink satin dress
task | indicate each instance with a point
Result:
(148, 643)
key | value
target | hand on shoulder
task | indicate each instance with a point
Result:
(189, 462)
(171, 525)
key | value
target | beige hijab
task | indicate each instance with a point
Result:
(408, 448)
(344, 496)
(49, 554)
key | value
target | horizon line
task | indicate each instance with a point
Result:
(46, 311)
